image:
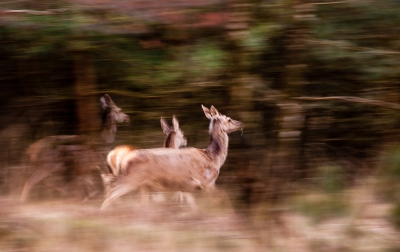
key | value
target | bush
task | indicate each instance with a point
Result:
(321, 206)
(395, 216)
(388, 179)
(331, 178)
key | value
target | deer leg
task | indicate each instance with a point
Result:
(90, 185)
(117, 192)
(35, 178)
(177, 196)
(90, 189)
(189, 198)
(144, 195)
(56, 188)
(158, 197)
(185, 197)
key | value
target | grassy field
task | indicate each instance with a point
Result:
(354, 220)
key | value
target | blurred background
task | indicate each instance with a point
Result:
(317, 84)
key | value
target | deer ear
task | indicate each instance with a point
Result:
(165, 126)
(175, 122)
(207, 112)
(103, 103)
(214, 111)
(109, 101)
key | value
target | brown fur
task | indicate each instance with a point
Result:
(185, 170)
(175, 139)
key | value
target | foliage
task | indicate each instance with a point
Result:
(389, 175)
(331, 178)
(252, 58)
(395, 215)
(320, 207)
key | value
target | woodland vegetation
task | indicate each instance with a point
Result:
(317, 84)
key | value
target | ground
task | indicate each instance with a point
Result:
(60, 225)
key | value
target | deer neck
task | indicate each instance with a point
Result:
(219, 140)
(108, 134)
(108, 128)
(169, 141)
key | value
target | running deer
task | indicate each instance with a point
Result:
(186, 170)
(74, 158)
(174, 139)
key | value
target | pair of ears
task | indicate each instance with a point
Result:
(107, 102)
(210, 113)
(165, 126)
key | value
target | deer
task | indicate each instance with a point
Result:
(174, 139)
(186, 170)
(74, 157)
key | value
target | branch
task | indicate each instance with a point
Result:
(334, 2)
(353, 99)
(14, 1)
(32, 12)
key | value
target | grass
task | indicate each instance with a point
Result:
(314, 220)
(61, 226)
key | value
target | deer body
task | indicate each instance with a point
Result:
(185, 170)
(74, 157)
(175, 139)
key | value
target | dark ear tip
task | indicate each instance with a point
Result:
(107, 97)
(175, 121)
(163, 121)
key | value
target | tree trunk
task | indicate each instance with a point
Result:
(85, 89)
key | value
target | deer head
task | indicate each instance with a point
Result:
(225, 123)
(175, 136)
(111, 116)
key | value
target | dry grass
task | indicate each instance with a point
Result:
(71, 226)
(64, 226)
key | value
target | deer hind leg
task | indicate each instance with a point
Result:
(144, 195)
(183, 198)
(91, 188)
(116, 192)
(189, 199)
(35, 178)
